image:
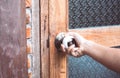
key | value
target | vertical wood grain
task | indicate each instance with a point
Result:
(58, 22)
(13, 55)
(44, 39)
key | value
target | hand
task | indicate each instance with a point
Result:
(76, 49)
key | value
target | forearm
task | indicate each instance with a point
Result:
(109, 57)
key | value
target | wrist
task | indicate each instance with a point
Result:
(85, 47)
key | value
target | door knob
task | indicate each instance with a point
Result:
(65, 40)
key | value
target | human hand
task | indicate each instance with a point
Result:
(76, 49)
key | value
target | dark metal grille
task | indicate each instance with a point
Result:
(86, 67)
(92, 13)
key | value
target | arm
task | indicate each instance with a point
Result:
(110, 57)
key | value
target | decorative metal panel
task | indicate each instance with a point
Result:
(86, 67)
(93, 13)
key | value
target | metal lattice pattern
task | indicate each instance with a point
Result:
(86, 67)
(92, 13)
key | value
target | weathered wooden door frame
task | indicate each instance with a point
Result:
(53, 20)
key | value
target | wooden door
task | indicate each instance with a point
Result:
(54, 19)
(58, 22)
(13, 57)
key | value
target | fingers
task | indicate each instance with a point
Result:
(72, 50)
(76, 52)
(76, 37)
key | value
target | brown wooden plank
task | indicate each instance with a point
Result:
(108, 36)
(58, 21)
(44, 40)
(13, 56)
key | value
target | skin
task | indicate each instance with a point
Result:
(109, 57)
